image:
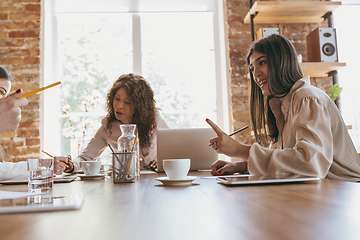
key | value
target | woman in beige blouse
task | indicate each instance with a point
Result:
(298, 128)
(129, 101)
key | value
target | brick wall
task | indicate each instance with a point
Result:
(20, 54)
(239, 40)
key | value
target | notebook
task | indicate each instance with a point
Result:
(190, 143)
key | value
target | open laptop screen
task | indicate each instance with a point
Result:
(190, 143)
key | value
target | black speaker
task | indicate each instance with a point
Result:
(321, 45)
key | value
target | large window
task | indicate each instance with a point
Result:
(346, 18)
(88, 45)
(178, 60)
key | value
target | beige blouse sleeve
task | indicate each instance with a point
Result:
(94, 148)
(307, 143)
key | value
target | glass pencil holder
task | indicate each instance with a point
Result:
(124, 167)
(128, 142)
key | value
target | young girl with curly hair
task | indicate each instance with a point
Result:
(129, 101)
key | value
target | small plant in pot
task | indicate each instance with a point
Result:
(334, 91)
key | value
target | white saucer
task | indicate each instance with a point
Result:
(167, 181)
(84, 176)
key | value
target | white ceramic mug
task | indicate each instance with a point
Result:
(176, 169)
(90, 167)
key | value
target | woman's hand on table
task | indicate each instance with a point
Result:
(63, 164)
(70, 165)
(59, 165)
(221, 167)
(152, 165)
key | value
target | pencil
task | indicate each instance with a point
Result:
(111, 148)
(237, 131)
(129, 163)
(40, 89)
(47, 153)
(134, 144)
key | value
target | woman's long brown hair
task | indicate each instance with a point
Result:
(283, 71)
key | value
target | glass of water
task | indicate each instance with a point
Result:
(40, 174)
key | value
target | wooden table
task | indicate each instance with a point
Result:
(326, 209)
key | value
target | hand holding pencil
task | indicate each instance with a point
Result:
(237, 131)
(225, 144)
(61, 164)
(12, 105)
(40, 89)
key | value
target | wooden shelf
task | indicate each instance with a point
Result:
(290, 11)
(320, 69)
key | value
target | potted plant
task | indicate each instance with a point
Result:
(334, 91)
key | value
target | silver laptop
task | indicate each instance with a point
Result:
(190, 143)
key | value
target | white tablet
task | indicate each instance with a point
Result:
(264, 179)
(41, 203)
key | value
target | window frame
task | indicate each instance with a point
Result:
(49, 113)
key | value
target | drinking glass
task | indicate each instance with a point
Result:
(40, 174)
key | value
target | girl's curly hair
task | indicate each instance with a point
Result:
(142, 98)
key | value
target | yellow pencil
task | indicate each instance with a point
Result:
(40, 89)
(47, 153)
(134, 144)
(129, 163)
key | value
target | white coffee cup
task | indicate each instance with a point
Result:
(90, 167)
(176, 169)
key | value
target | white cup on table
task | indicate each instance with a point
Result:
(176, 169)
(90, 167)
